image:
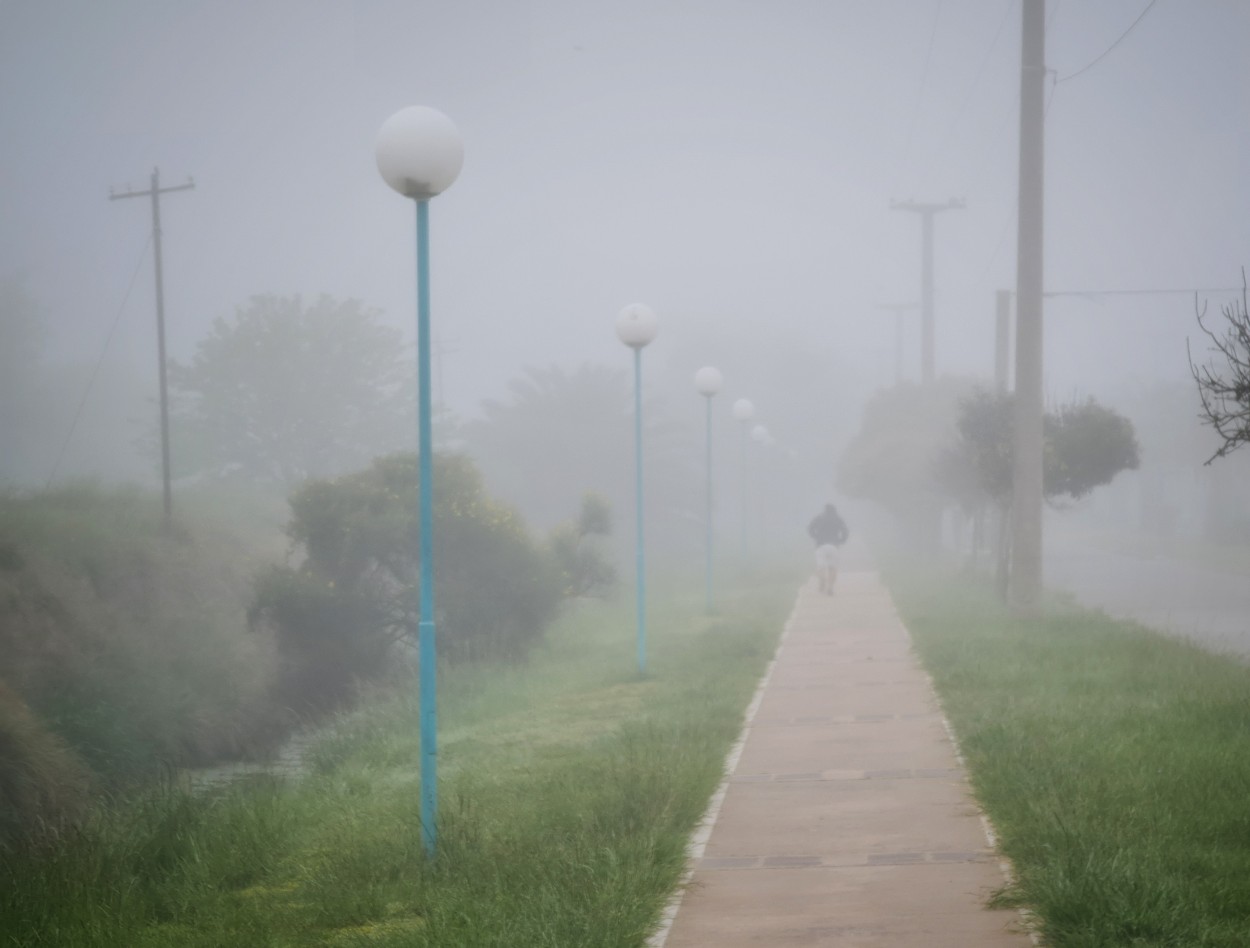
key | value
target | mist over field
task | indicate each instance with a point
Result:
(730, 164)
(760, 257)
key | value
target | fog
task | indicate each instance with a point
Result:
(731, 164)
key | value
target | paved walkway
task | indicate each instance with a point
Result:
(846, 818)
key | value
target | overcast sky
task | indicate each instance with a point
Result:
(729, 162)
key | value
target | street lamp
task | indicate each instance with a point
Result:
(761, 436)
(744, 411)
(419, 153)
(708, 381)
(636, 325)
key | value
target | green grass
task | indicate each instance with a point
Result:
(1113, 762)
(568, 789)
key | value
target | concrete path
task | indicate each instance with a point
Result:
(846, 818)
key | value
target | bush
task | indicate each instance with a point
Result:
(578, 551)
(339, 615)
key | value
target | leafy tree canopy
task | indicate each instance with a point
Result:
(892, 458)
(339, 615)
(1085, 446)
(562, 433)
(286, 390)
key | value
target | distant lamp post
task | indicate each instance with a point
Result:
(744, 411)
(419, 154)
(761, 436)
(708, 381)
(636, 325)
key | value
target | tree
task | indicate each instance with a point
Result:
(893, 459)
(340, 614)
(1225, 391)
(1085, 445)
(286, 391)
(563, 433)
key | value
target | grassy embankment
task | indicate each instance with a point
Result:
(125, 645)
(1114, 763)
(568, 789)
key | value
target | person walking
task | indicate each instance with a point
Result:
(829, 531)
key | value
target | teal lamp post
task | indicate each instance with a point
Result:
(708, 382)
(419, 153)
(636, 325)
(763, 437)
(744, 411)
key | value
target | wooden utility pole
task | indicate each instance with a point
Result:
(155, 192)
(898, 309)
(1002, 342)
(926, 212)
(1026, 509)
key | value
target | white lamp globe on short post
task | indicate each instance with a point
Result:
(636, 325)
(419, 153)
(708, 382)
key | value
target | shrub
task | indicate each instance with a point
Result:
(577, 548)
(339, 615)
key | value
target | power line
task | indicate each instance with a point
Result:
(970, 90)
(1011, 216)
(1008, 9)
(1201, 289)
(99, 362)
(924, 79)
(1107, 51)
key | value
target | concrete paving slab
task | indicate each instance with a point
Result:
(911, 814)
(847, 818)
(911, 742)
(791, 701)
(928, 905)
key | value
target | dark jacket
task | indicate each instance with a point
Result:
(828, 527)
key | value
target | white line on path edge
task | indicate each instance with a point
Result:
(703, 831)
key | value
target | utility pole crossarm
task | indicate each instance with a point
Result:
(130, 193)
(927, 209)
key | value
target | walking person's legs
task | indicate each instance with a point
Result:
(826, 567)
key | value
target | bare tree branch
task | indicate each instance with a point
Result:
(1224, 381)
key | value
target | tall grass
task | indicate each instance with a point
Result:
(1114, 762)
(569, 787)
(127, 640)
